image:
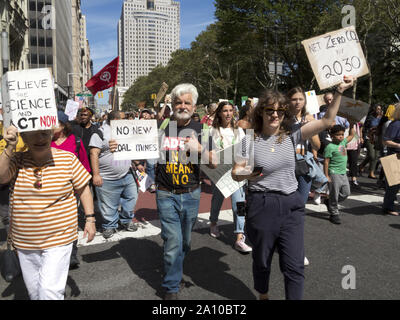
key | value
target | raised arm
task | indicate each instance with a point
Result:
(314, 127)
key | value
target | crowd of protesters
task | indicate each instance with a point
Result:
(286, 158)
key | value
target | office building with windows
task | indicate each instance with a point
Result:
(148, 32)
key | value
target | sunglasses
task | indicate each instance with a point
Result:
(37, 173)
(270, 111)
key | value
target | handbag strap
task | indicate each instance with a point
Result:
(294, 147)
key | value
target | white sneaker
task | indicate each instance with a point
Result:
(214, 231)
(241, 246)
(317, 198)
(306, 262)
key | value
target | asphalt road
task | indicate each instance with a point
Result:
(130, 266)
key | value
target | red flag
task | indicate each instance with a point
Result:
(105, 78)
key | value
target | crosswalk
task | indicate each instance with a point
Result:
(153, 227)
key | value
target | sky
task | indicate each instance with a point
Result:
(102, 19)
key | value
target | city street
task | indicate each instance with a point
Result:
(129, 265)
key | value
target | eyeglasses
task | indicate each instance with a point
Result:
(270, 111)
(37, 173)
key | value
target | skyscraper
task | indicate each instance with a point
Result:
(148, 32)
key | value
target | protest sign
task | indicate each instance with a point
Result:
(391, 167)
(222, 175)
(161, 93)
(28, 100)
(334, 55)
(137, 139)
(353, 110)
(71, 109)
(312, 105)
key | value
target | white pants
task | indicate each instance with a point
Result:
(45, 272)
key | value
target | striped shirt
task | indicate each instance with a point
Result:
(47, 217)
(276, 159)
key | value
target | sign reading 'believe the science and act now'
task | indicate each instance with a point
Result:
(334, 55)
(28, 100)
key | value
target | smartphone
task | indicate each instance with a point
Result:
(257, 170)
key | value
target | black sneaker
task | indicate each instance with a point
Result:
(108, 233)
(334, 218)
(171, 296)
(74, 262)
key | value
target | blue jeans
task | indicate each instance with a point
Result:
(390, 196)
(216, 203)
(178, 214)
(304, 187)
(151, 168)
(113, 193)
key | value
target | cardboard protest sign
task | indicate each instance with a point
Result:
(334, 55)
(222, 175)
(312, 105)
(353, 110)
(391, 167)
(28, 100)
(137, 139)
(161, 93)
(71, 109)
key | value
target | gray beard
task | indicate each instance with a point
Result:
(182, 115)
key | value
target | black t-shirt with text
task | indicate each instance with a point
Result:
(175, 170)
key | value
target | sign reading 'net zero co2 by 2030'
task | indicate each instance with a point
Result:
(334, 55)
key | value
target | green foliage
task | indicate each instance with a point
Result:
(231, 58)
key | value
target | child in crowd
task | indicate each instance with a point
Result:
(335, 165)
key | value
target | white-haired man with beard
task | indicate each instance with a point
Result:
(178, 183)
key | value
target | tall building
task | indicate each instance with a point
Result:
(50, 33)
(148, 32)
(57, 28)
(14, 22)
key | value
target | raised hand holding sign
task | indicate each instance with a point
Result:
(335, 54)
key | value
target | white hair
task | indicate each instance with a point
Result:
(182, 89)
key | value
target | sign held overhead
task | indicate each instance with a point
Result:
(334, 55)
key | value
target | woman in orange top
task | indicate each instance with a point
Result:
(43, 219)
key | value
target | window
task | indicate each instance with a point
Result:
(33, 41)
(33, 58)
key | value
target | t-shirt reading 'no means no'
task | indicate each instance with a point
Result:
(174, 170)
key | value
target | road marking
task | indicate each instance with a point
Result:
(153, 227)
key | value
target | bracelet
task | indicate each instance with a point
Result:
(94, 221)
(90, 215)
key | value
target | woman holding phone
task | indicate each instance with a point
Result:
(225, 133)
(275, 217)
